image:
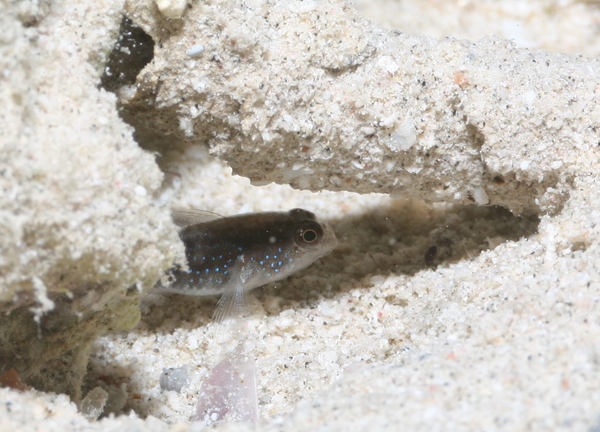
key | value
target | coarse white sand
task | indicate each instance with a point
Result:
(426, 317)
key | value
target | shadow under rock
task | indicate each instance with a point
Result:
(402, 238)
(168, 312)
(405, 237)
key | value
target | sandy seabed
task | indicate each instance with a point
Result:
(473, 310)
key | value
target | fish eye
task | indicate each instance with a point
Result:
(308, 233)
(309, 236)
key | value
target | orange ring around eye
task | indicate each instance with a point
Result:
(312, 235)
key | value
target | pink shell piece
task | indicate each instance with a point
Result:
(229, 390)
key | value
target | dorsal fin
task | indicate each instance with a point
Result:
(185, 218)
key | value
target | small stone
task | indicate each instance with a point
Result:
(172, 9)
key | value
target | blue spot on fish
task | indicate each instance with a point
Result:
(225, 243)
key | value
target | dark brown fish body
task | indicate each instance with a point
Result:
(249, 250)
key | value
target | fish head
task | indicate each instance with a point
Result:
(315, 238)
(291, 241)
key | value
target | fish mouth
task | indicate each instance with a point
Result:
(330, 240)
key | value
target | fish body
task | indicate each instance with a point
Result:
(248, 250)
